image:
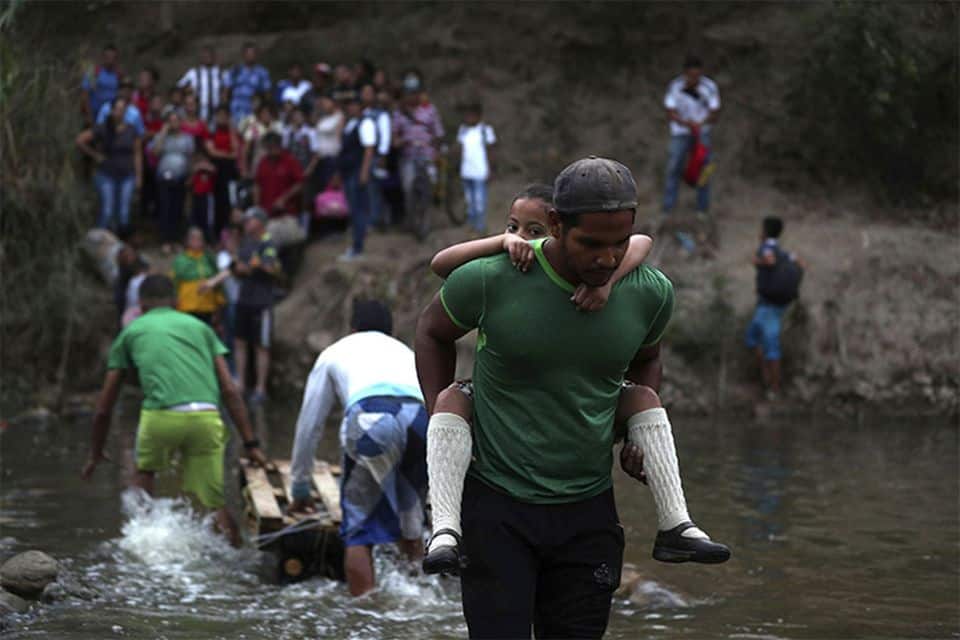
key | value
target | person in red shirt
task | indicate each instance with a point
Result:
(202, 180)
(223, 147)
(152, 122)
(191, 122)
(279, 179)
(146, 85)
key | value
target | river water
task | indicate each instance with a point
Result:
(839, 529)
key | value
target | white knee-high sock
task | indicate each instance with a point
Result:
(650, 430)
(449, 447)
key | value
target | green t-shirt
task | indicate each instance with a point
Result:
(547, 376)
(173, 354)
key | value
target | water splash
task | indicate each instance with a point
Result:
(167, 532)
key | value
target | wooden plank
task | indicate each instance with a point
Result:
(283, 467)
(329, 490)
(261, 493)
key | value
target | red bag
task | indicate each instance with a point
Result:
(699, 167)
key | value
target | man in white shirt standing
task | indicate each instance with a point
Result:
(475, 138)
(328, 127)
(383, 437)
(692, 103)
(206, 81)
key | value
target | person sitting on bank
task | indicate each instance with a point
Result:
(383, 435)
(178, 361)
(191, 270)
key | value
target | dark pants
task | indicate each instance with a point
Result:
(170, 196)
(148, 191)
(359, 201)
(226, 173)
(202, 215)
(317, 181)
(551, 567)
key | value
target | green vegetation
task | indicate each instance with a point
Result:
(876, 98)
(43, 213)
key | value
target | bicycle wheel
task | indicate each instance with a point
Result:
(455, 202)
(422, 197)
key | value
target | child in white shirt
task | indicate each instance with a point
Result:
(475, 138)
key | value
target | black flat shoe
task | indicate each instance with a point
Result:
(446, 559)
(672, 546)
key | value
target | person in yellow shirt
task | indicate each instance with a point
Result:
(191, 270)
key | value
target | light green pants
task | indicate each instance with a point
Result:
(199, 436)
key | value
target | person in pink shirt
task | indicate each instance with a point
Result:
(417, 132)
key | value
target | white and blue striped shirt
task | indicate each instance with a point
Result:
(206, 83)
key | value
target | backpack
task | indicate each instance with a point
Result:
(780, 284)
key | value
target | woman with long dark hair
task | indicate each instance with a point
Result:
(116, 148)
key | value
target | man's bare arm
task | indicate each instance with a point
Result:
(237, 410)
(101, 419)
(436, 350)
(646, 368)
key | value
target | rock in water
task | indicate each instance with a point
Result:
(67, 586)
(27, 574)
(11, 603)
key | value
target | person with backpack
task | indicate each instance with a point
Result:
(778, 284)
(475, 138)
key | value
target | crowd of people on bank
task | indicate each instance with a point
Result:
(231, 166)
(347, 141)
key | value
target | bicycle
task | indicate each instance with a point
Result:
(420, 197)
(454, 199)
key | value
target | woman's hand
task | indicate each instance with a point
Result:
(521, 252)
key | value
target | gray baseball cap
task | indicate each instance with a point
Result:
(594, 184)
(256, 212)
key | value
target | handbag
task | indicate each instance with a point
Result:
(331, 203)
(699, 165)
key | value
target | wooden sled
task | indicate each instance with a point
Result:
(303, 544)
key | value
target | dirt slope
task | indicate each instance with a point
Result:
(879, 315)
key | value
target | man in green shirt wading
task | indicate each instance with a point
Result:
(542, 542)
(179, 364)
